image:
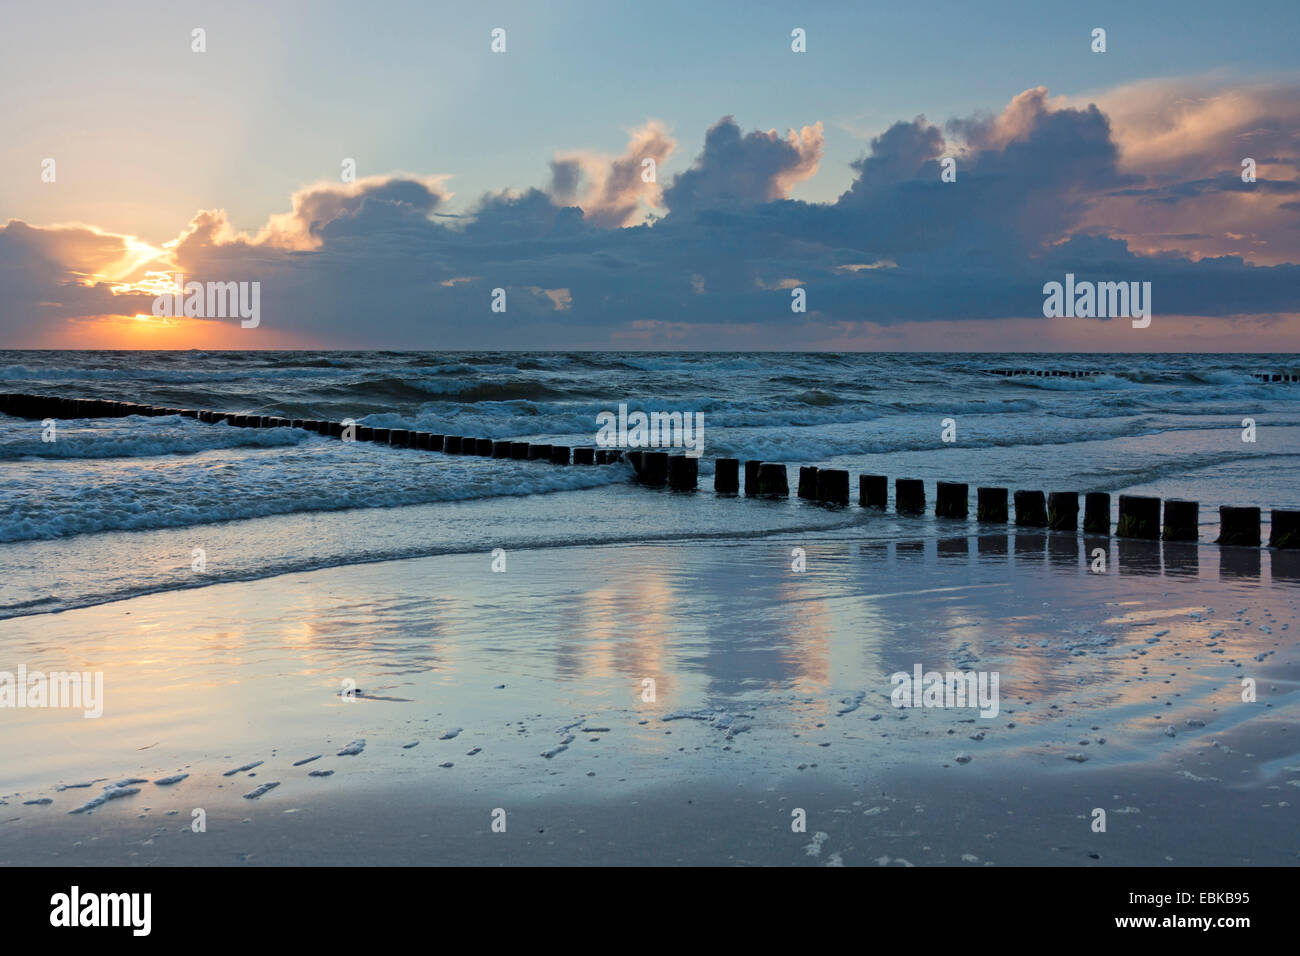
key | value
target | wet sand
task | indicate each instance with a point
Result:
(524, 691)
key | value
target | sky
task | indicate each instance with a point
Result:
(128, 156)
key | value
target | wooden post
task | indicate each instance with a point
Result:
(726, 476)
(1284, 529)
(873, 491)
(1182, 520)
(833, 486)
(1031, 509)
(951, 500)
(751, 476)
(909, 496)
(683, 472)
(991, 505)
(1096, 513)
(1063, 510)
(808, 483)
(1239, 526)
(772, 481)
(1139, 517)
(654, 468)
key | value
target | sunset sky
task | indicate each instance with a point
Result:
(775, 170)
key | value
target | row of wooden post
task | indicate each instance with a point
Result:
(1075, 373)
(1139, 516)
(1043, 373)
(45, 406)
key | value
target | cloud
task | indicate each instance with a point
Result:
(741, 170)
(1185, 140)
(53, 273)
(613, 191)
(338, 206)
(1044, 186)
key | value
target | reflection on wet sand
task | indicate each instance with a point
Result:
(957, 548)
(726, 627)
(1239, 563)
(1285, 566)
(1138, 556)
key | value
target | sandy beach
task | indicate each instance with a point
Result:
(476, 692)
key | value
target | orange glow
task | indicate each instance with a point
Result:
(141, 331)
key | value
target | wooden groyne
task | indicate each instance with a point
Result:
(48, 406)
(1140, 517)
(1076, 373)
(1043, 373)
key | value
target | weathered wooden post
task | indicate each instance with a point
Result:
(1182, 520)
(991, 505)
(1284, 529)
(1096, 513)
(584, 456)
(832, 486)
(683, 472)
(726, 476)
(1031, 509)
(909, 496)
(951, 500)
(873, 491)
(654, 468)
(1239, 526)
(772, 481)
(1063, 510)
(1139, 517)
(752, 467)
(808, 482)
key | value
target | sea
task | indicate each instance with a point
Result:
(117, 507)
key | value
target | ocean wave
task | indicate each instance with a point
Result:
(321, 476)
(145, 376)
(818, 397)
(116, 438)
(465, 392)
